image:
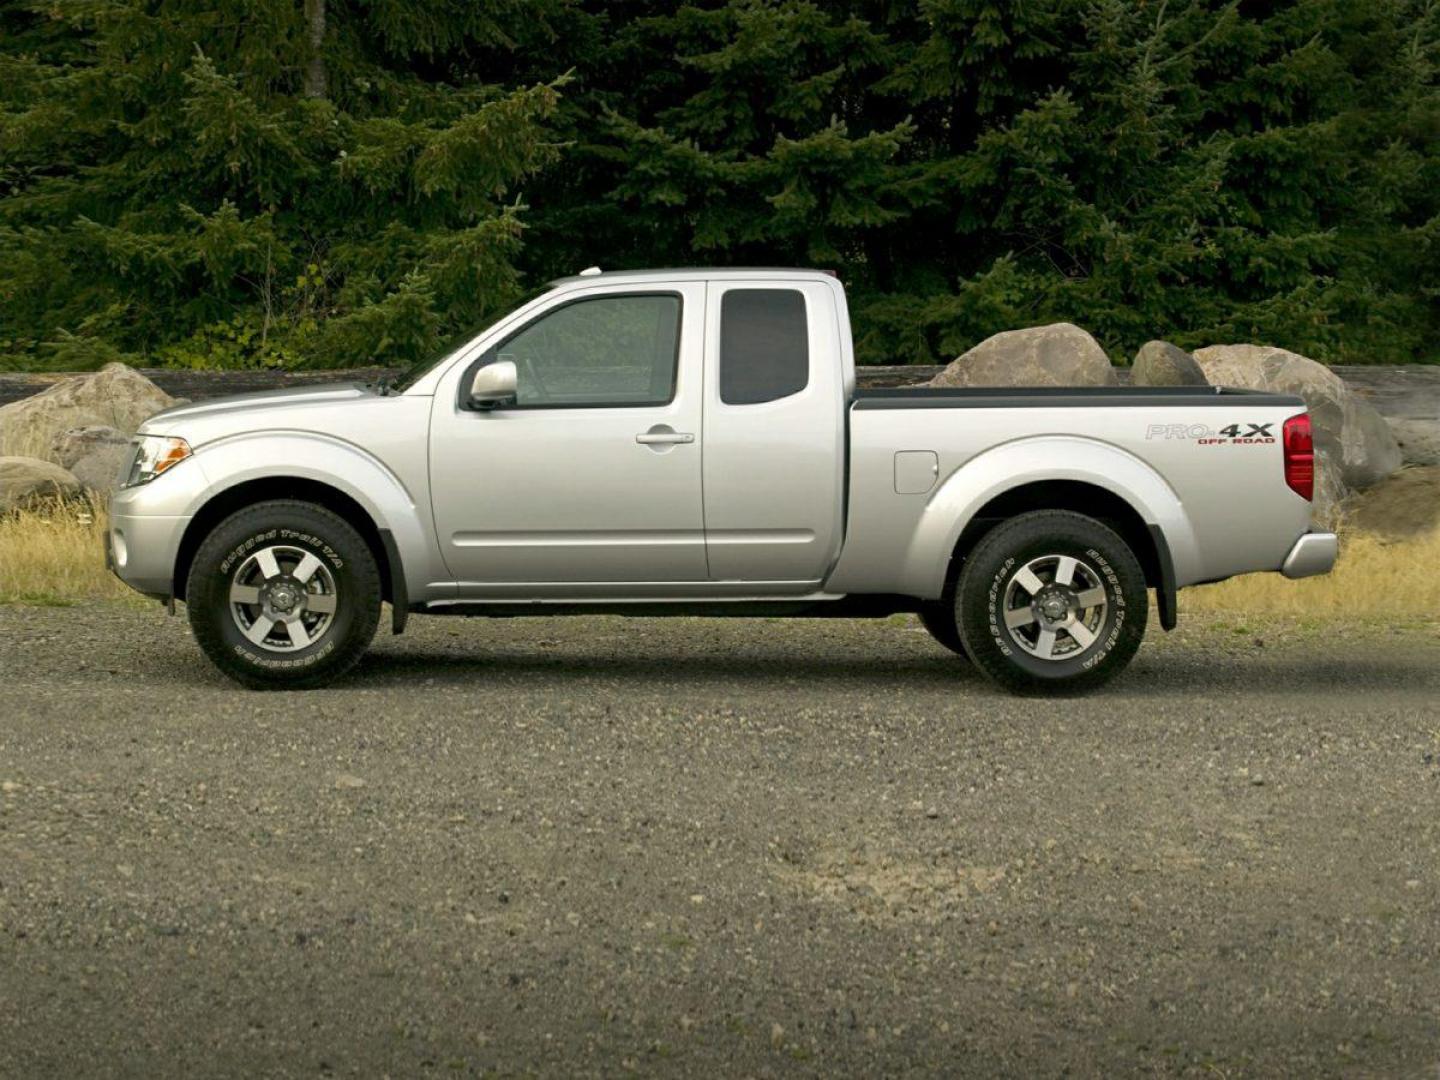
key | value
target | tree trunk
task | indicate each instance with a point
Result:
(315, 40)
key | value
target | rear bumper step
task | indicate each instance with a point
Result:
(1314, 553)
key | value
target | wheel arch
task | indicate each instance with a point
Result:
(380, 541)
(1147, 541)
(1048, 473)
(249, 492)
(1077, 496)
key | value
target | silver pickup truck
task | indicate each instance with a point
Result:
(692, 442)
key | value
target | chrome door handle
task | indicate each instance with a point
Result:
(649, 438)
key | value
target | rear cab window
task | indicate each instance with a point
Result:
(764, 345)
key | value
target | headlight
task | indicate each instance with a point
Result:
(154, 454)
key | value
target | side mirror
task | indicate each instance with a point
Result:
(493, 385)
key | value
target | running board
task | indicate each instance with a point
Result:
(869, 606)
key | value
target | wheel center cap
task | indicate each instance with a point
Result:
(1054, 606)
(283, 597)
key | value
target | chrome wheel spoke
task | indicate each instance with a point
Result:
(1045, 644)
(1065, 570)
(265, 559)
(1082, 634)
(1089, 598)
(244, 594)
(308, 565)
(1020, 616)
(1027, 580)
(320, 603)
(259, 629)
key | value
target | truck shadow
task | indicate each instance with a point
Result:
(556, 665)
(1202, 673)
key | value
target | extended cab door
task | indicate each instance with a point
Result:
(593, 476)
(774, 432)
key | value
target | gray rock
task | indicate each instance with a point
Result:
(99, 470)
(93, 453)
(1158, 363)
(1352, 440)
(1057, 355)
(116, 396)
(1403, 506)
(70, 446)
(1419, 440)
(25, 481)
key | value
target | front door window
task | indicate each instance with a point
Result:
(608, 351)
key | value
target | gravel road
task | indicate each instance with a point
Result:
(710, 848)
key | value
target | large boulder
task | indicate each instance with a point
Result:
(1158, 363)
(1419, 440)
(1404, 505)
(25, 481)
(1057, 355)
(1351, 438)
(70, 446)
(116, 396)
(100, 469)
(93, 454)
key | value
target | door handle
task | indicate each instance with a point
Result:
(650, 438)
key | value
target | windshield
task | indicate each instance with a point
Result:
(456, 342)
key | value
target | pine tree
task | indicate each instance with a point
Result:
(348, 181)
(1188, 168)
(275, 183)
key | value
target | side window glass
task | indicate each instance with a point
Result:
(612, 350)
(764, 345)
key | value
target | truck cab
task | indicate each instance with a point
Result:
(644, 409)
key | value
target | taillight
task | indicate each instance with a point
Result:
(1300, 456)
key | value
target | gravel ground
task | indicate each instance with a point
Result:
(700, 847)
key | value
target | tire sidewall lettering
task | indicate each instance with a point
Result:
(993, 605)
(285, 663)
(290, 536)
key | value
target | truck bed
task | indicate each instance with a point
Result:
(1203, 465)
(1049, 397)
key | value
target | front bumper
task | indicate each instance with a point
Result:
(141, 551)
(1314, 553)
(147, 524)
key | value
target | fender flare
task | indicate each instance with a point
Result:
(335, 463)
(1030, 460)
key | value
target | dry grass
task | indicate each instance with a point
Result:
(1374, 577)
(55, 555)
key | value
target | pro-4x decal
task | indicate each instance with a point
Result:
(1242, 434)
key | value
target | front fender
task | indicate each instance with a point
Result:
(392, 504)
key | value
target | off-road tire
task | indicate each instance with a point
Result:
(993, 569)
(938, 617)
(300, 526)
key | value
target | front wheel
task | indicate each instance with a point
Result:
(938, 617)
(1051, 601)
(283, 595)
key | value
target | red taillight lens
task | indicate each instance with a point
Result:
(1300, 456)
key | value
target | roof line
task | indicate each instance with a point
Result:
(691, 270)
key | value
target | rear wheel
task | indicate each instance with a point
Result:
(283, 595)
(1051, 601)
